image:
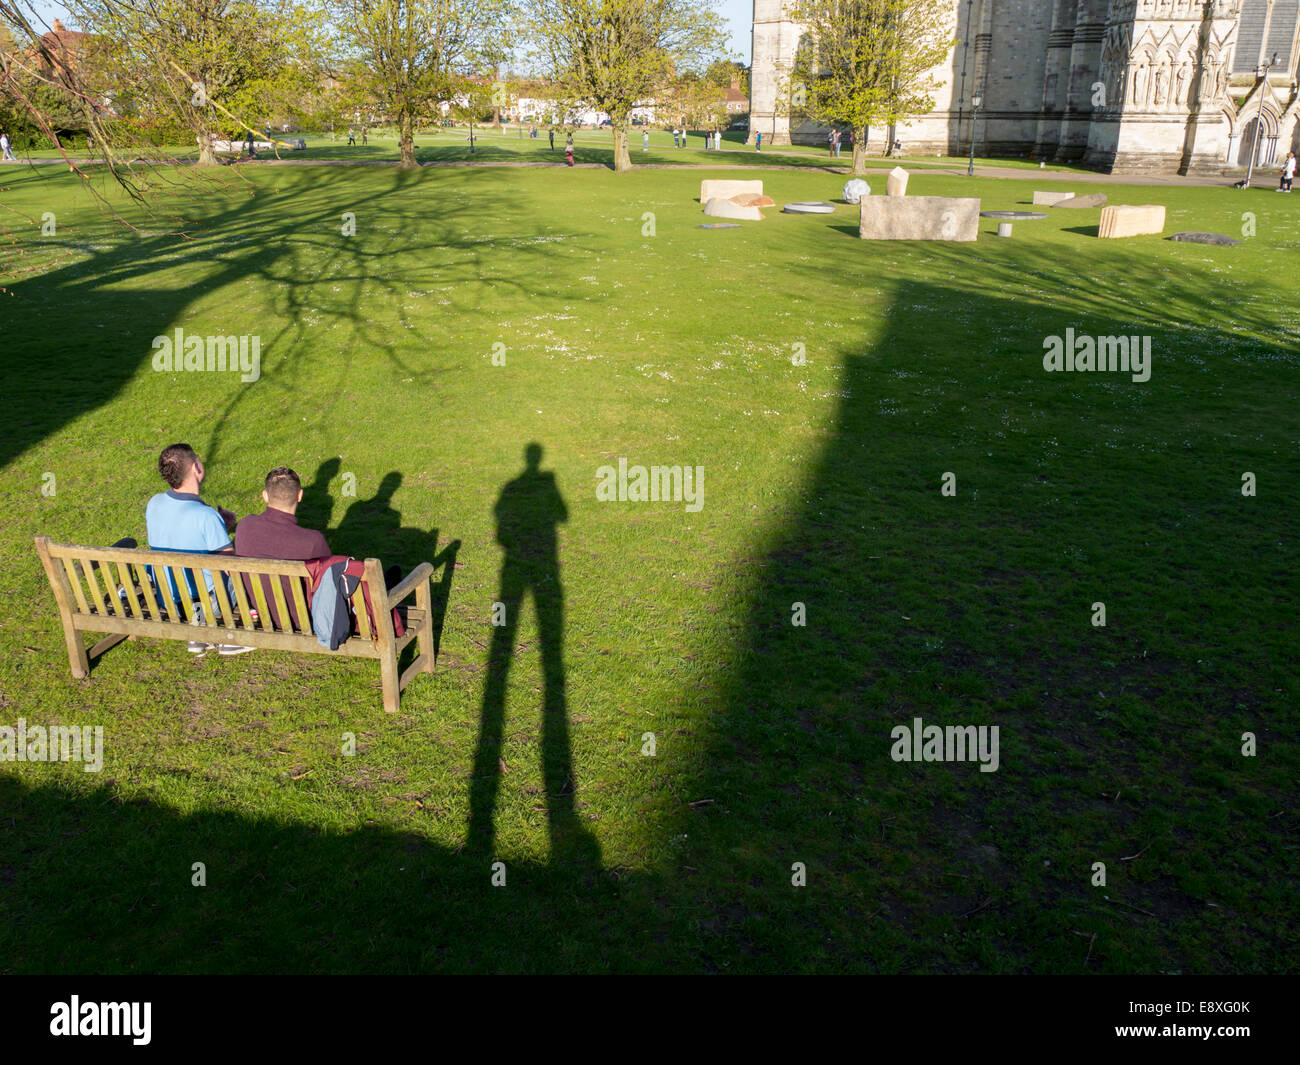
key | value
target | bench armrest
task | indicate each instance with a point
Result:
(408, 584)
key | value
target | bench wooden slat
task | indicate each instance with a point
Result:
(179, 558)
(263, 612)
(355, 647)
(153, 597)
(205, 597)
(128, 582)
(296, 586)
(100, 602)
(359, 608)
(70, 568)
(185, 607)
(281, 609)
(223, 601)
(245, 611)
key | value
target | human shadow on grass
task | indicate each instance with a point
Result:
(528, 513)
(373, 528)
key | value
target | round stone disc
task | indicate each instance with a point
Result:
(719, 225)
(808, 208)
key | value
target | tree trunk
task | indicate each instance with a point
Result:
(860, 152)
(622, 161)
(406, 138)
(207, 156)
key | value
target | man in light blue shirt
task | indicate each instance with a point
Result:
(178, 520)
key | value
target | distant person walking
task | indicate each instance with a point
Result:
(645, 140)
(363, 135)
(683, 136)
(675, 136)
(758, 141)
(568, 149)
(1288, 173)
(8, 155)
(352, 137)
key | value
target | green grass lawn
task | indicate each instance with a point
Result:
(629, 332)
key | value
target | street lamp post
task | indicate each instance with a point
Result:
(1259, 119)
(976, 104)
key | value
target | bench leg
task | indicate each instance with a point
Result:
(78, 660)
(424, 642)
(392, 690)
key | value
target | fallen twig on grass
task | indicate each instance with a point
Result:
(1130, 906)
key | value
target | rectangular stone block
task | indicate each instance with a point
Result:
(919, 218)
(1126, 220)
(725, 188)
(719, 208)
(1049, 199)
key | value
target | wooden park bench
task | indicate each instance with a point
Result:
(109, 589)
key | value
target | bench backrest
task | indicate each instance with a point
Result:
(235, 593)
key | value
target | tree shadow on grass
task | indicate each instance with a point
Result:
(85, 328)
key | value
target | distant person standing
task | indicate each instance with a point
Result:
(758, 141)
(363, 135)
(675, 138)
(645, 140)
(550, 132)
(830, 143)
(683, 136)
(1288, 173)
(568, 149)
(8, 155)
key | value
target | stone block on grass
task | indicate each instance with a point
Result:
(1051, 199)
(1091, 200)
(720, 208)
(725, 188)
(950, 218)
(1128, 220)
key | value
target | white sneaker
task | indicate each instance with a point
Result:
(233, 649)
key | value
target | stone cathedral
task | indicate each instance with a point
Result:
(1188, 86)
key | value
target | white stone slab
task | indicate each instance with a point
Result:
(1127, 220)
(720, 208)
(725, 188)
(920, 218)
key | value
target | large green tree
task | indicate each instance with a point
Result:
(211, 67)
(409, 57)
(865, 63)
(611, 55)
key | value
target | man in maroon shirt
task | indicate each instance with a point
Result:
(275, 533)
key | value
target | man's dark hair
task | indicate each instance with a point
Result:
(174, 463)
(283, 486)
